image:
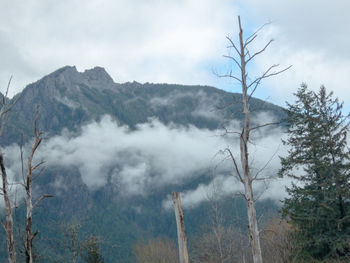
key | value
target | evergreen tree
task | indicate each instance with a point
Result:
(318, 206)
(92, 251)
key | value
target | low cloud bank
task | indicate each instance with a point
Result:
(265, 149)
(151, 156)
(155, 155)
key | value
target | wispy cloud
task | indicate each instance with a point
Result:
(155, 155)
(150, 156)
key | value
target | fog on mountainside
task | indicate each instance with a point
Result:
(123, 148)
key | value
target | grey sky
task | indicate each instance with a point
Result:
(175, 41)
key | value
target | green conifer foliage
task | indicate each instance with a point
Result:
(318, 159)
(92, 251)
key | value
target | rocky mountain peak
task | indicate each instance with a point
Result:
(68, 79)
(63, 77)
(98, 75)
(65, 70)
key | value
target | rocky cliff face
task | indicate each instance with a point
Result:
(68, 98)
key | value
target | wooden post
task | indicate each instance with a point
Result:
(180, 223)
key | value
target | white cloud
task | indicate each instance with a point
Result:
(155, 155)
(220, 186)
(313, 36)
(176, 41)
(207, 107)
(151, 156)
(264, 154)
(12, 160)
(154, 41)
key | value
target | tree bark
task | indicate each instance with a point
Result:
(181, 236)
(29, 205)
(28, 187)
(247, 178)
(242, 58)
(8, 224)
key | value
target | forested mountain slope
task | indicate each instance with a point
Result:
(72, 104)
(69, 99)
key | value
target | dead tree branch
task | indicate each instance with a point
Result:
(259, 52)
(244, 175)
(265, 75)
(235, 164)
(265, 125)
(42, 198)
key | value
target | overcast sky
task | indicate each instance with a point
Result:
(176, 41)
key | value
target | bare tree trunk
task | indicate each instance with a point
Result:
(8, 224)
(29, 236)
(241, 60)
(181, 236)
(28, 187)
(253, 224)
(248, 189)
(29, 205)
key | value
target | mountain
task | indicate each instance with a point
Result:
(69, 101)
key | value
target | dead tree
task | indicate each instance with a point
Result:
(248, 88)
(29, 236)
(8, 224)
(181, 235)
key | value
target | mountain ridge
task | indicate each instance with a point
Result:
(74, 100)
(68, 98)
